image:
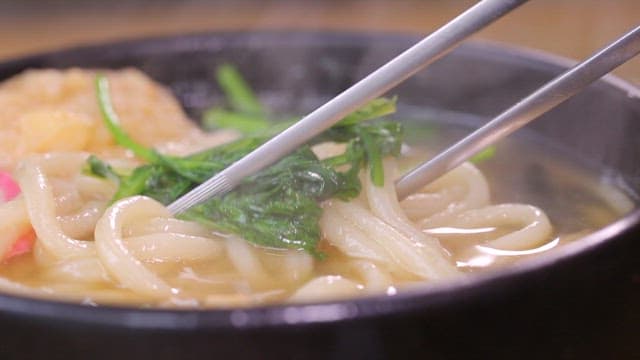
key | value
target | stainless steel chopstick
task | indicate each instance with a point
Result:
(542, 100)
(386, 77)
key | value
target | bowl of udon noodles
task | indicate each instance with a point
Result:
(520, 252)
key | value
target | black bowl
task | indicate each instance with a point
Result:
(576, 302)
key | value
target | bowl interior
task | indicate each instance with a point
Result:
(295, 72)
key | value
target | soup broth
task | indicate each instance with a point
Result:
(524, 168)
(524, 200)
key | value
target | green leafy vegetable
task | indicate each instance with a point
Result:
(112, 122)
(100, 168)
(218, 118)
(277, 207)
(484, 155)
(373, 109)
(283, 197)
(239, 95)
(246, 114)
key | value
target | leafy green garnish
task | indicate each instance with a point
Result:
(100, 168)
(246, 114)
(373, 109)
(277, 207)
(484, 155)
(112, 122)
(219, 118)
(238, 93)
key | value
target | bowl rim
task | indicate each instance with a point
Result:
(366, 307)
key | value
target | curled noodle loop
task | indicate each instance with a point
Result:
(115, 255)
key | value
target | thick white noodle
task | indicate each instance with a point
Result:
(66, 194)
(348, 237)
(170, 225)
(114, 254)
(383, 240)
(329, 287)
(376, 280)
(534, 227)
(383, 203)
(159, 247)
(161, 239)
(405, 253)
(460, 189)
(81, 224)
(41, 206)
(244, 258)
(295, 266)
(92, 188)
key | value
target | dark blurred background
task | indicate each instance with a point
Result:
(571, 28)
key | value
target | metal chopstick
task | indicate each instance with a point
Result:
(386, 77)
(542, 100)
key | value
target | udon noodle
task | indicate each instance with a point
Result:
(135, 252)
